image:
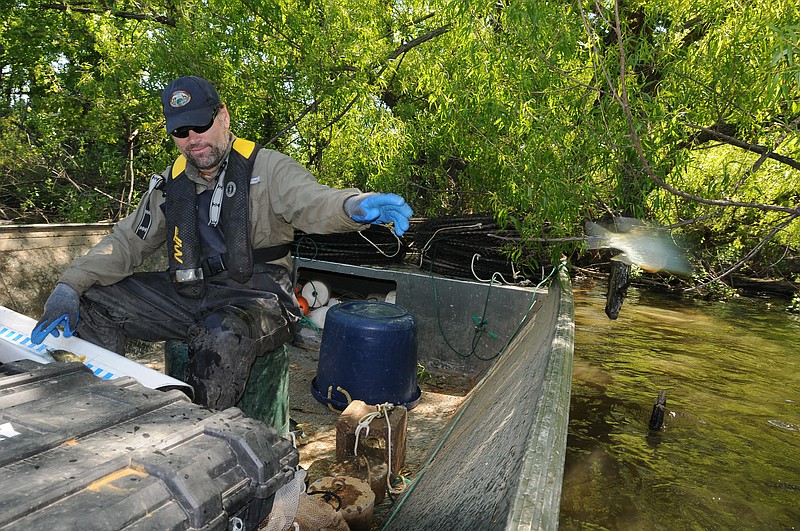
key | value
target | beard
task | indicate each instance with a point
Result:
(208, 161)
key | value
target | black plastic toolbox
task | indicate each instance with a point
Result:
(81, 453)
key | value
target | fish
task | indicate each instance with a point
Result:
(65, 356)
(647, 246)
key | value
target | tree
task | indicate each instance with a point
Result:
(723, 83)
(543, 114)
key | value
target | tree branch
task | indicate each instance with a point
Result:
(167, 21)
(754, 148)
(403, 48)
(310, 107)
(621, 96)
(291, 42)
(749, 255)
(393, 55)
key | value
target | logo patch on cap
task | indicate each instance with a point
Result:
(179, 98)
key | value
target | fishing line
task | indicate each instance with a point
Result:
(437, 231)
(480, 322)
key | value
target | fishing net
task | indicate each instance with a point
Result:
(293, 508)
(285, 504)
(471, 247)
(316, 514)
(374, 245)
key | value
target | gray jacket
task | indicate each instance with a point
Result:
(284, 196)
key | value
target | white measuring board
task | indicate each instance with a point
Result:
(15, 344)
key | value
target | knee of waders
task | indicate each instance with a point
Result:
(223, 348)
(262, 319)
(241, 322)
(218, 366)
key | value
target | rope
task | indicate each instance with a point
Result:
(308, 322)
(391, 230)
(297, 244)
(341, 390)
(364, 422)
(314, 292)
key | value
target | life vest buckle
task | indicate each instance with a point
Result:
(214, 265)
(184, 276)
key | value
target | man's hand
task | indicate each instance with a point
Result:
(378, 209)
(61, 309)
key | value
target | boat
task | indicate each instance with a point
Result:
(487, 442)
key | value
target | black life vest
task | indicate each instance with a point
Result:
(185, 240)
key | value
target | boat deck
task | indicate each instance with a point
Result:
(442, 395)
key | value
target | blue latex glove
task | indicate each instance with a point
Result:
(379, 209)
(61, 309)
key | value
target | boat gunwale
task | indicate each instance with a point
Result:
(537, 492)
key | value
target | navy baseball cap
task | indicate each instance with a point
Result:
(189, 101)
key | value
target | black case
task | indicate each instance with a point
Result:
(81, 453)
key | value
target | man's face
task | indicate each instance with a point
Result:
(206, 150)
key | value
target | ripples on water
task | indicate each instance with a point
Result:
(728, 456)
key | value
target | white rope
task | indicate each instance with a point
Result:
(364, 422)
(399, 244)
(475, 257)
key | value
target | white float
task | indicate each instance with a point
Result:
(316, 293)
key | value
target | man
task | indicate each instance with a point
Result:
(226, 210)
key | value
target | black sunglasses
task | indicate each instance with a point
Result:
(183, 132)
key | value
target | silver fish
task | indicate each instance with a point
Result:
(646, 246)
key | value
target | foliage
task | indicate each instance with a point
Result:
(794, 306)
(544, 114)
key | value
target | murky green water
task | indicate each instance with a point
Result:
(729, 454)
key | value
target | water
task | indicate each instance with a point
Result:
(728, 456)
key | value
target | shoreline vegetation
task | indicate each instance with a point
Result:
(540, 115)
(733, 285)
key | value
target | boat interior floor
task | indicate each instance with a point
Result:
(442, 395)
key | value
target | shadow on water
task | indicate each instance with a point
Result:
(728, 456)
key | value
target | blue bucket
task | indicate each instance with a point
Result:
(368, 352)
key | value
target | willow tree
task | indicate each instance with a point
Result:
(543, 114)
(710, 100)
(77, 115)
(682, 112)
